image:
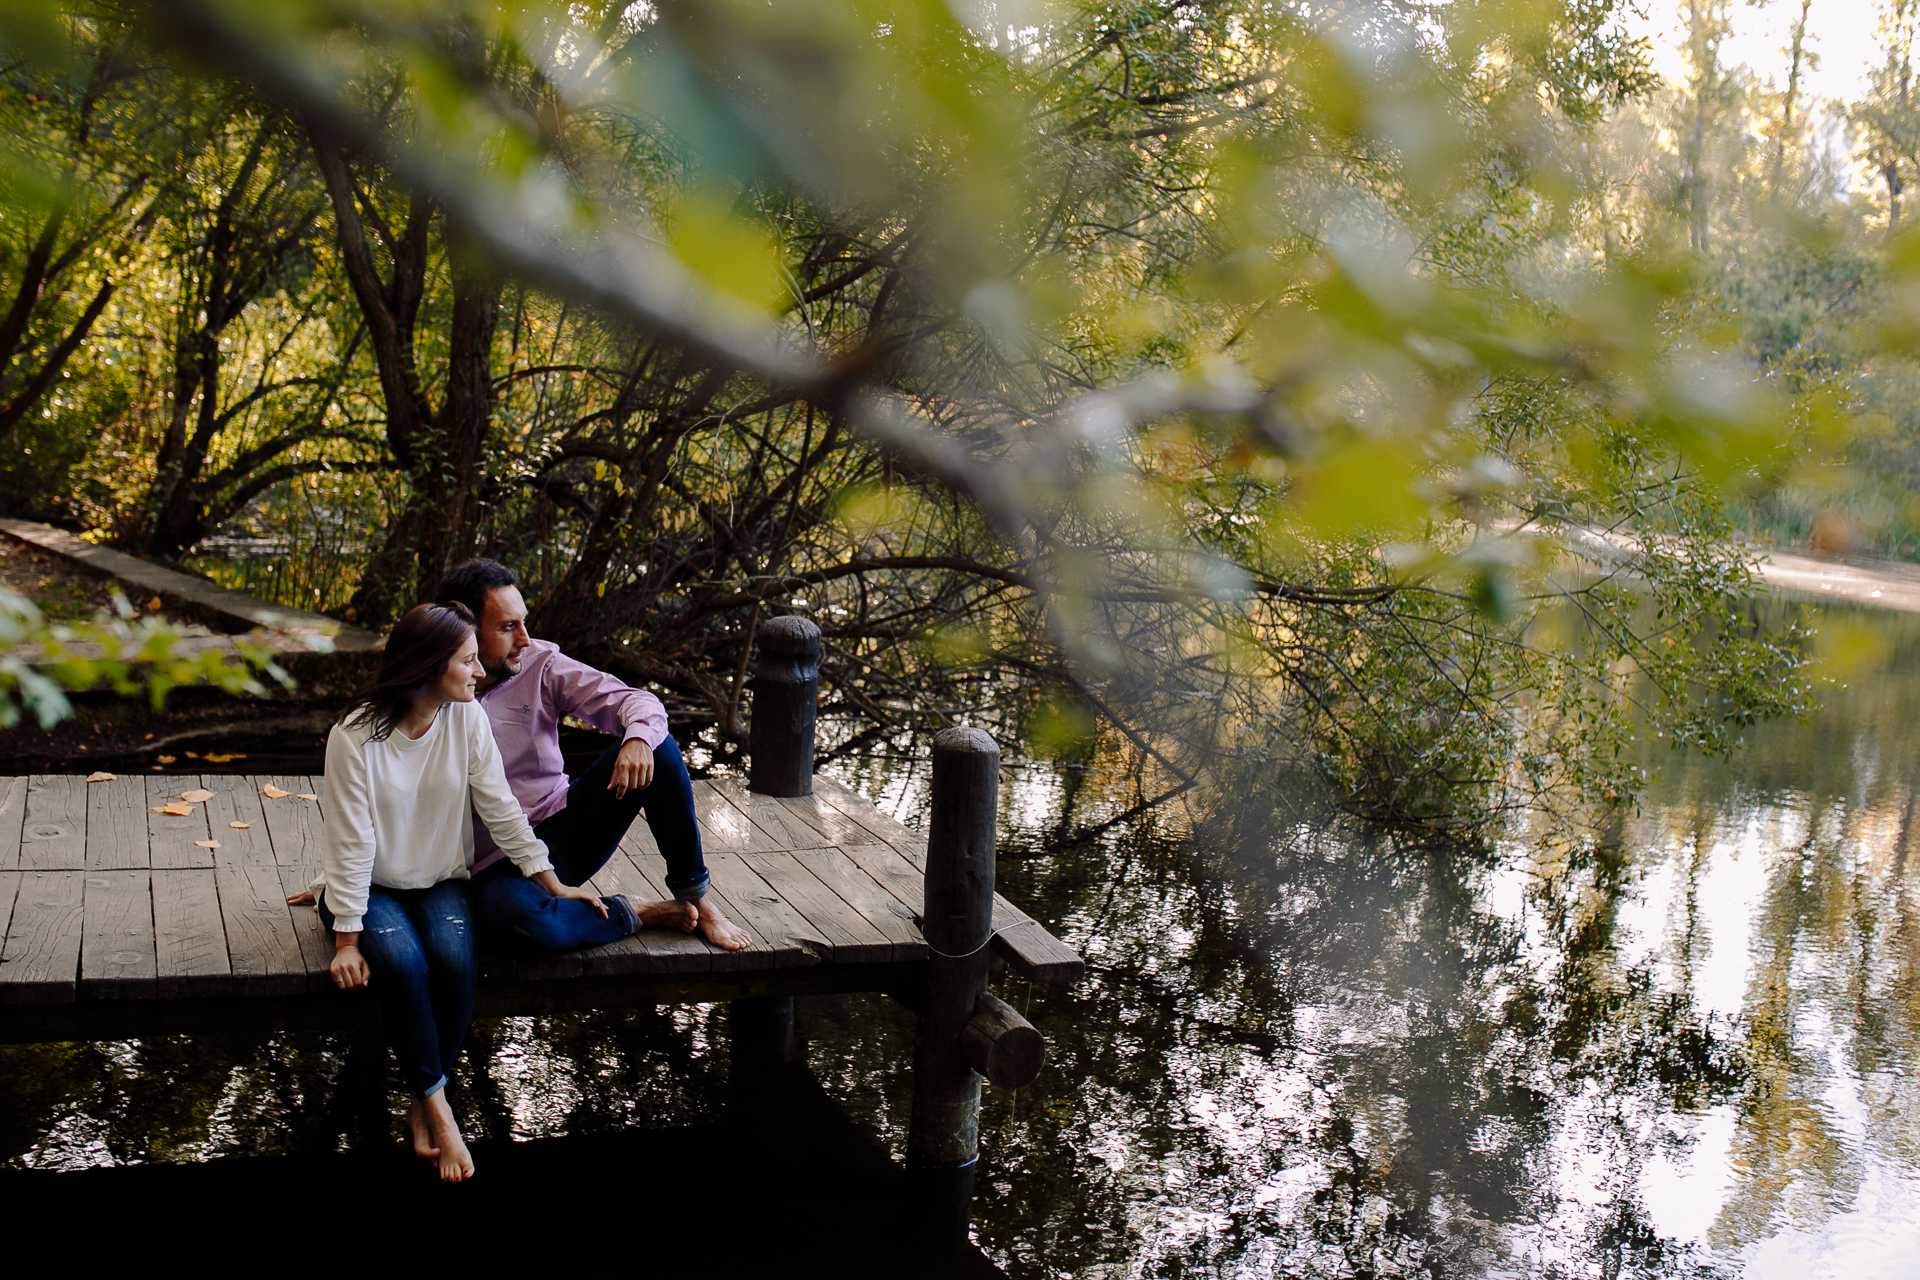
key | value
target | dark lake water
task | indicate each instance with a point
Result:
(1303, 1051)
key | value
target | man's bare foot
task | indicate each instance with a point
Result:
(456, 1163)
(666, 915)
(719, 930)
(422, 1130)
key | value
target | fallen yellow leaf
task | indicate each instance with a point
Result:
(178, 809)
(153, 604)
(100, 775)
(208, 844)
(199, 795)
(272, 792)
(164, 759)
(240, 826)
(308, 795)
(224, 758)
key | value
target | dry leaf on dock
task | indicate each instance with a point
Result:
(224, 757)
(308, 795)
(164, 759)
(100, 775)
(199, 795)
(177, 808)
(272, 792)
(208, 844)
(240, 826)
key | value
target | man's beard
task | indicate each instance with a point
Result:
(498, 671)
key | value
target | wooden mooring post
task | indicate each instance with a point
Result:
(943, 1138)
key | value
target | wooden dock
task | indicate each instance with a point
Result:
(121, 919)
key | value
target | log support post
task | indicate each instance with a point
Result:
(786, 684)
(943, 1138)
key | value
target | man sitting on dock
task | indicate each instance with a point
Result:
(528, 688)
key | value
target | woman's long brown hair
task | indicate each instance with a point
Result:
(417, 653)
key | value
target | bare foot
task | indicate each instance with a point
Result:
(719, 930)
(422, 1130)
(456, 1163)
(666, 915)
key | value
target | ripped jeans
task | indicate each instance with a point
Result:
(419, 949)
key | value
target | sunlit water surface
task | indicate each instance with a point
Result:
(1304, 1051)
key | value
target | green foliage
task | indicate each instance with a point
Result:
(39, 662)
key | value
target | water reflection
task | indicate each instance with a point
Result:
(1304, 1050)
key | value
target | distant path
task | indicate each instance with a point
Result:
(214, 605)
(1880, 584)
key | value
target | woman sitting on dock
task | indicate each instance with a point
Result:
(408, 756)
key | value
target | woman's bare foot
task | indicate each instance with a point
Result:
(666, 915)
(719, 930)
(456, 1163)
(422, 1130)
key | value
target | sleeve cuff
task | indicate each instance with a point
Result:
(348, 924)
(638, 729)
(534, 868)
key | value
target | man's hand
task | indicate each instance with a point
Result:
(349, 967)
(551, 883)
(632, 768)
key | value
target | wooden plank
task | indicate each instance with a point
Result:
(117, 825)
(1023, 942)
(835, 828)
(117, 958)
(761, 911)
(263, 948)
(236, 800)
(54, 837)
(293, 825)
(9, 890)
(892, 872)
(763, 952)
(316, 944)
(723, 827)
(13, 816)
(862, 810)
(863, 894)
(170, 839)
(854, 938)
(650, 950)
(41, 961)
(782, 826)
(190, 941)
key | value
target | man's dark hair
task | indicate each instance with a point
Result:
(469, 583)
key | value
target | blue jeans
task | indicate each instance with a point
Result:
(419, 949)
(580, 838)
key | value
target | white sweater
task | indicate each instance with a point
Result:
(398, 810)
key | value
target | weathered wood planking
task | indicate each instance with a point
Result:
(54, 837)
(293, 824)
(117, 824)
(263, 947)
(316, 948)
(117, 959)
(40, 963)
(190, 938)
(1021, 940)
(172, 841)
(236, 800)
(13, 816)
(113, 903)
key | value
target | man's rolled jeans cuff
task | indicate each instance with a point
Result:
(692, 891)
(432, 1089)
(623, 911)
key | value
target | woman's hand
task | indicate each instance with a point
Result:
(304, 898)
(551, 883)
(349, 967)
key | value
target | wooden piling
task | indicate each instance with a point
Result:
(943, 1140)
(786, 682)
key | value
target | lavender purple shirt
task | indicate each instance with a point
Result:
(526, 710)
